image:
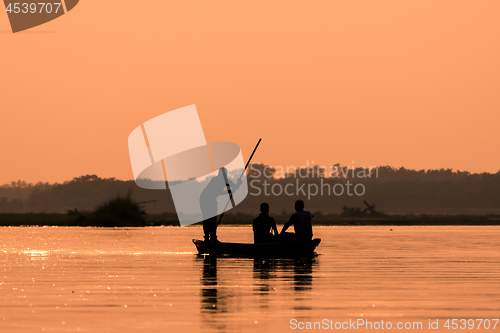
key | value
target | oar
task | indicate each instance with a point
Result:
(230, 193)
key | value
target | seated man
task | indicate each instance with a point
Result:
(301, 221)
(262, 226)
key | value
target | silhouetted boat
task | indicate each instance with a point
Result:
(272, 250)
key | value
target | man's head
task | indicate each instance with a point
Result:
(222, 171)
(299, 205)
(264, 207)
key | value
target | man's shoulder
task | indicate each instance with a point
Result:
(268, 218)
(304, 214)
(260, 217)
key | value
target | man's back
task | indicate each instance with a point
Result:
(302, 224)
(262, 226)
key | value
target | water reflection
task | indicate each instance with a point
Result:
(302, 282)
(36, 255)
(299, 270)
(296, 274)
(303, 273)
(269, 278)
(264, 270)
(214, 299)
(209, 282)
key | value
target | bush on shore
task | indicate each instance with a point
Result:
(121, 211)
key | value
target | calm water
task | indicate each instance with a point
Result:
(150, 280)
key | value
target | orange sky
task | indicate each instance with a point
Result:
(400, 83)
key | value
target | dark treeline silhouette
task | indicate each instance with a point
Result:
(393, 190)
(83, 193)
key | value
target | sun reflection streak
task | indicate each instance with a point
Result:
(42, 253)
(37, 254)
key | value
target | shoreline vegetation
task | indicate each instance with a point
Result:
(394, 191)
(124, 211)
(406, 197)
(169, 219)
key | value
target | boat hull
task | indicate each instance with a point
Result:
(263, 250)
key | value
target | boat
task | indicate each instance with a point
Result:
(260, 250)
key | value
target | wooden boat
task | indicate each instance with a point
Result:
(264, 250)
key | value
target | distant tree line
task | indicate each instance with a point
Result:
(83, 193)
(392, 190)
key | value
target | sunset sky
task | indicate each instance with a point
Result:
(400, 83)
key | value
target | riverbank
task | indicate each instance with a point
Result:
(170, 219)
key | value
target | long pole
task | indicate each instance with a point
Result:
(230, 193)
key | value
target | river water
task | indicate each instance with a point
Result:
(150, 280)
